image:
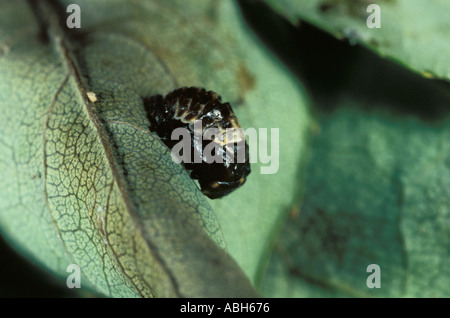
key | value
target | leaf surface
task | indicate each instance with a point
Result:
(376, 191)
(87, 183)
(413, 33)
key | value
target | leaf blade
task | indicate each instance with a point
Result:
(76, 148)
(412, 33)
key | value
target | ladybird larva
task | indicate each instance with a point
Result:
(183, 108)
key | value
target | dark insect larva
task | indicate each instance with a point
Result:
(199, 111)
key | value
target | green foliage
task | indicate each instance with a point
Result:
(377, 192)
(83, 179)
(376, 187)
(414, 33)
(364, 180)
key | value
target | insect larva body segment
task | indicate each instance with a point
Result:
(181, 109)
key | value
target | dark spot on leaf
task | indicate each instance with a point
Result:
(373, 43)
(246, 80)
(294, 212)
(354, 8)
(325, 7)
(331, 228)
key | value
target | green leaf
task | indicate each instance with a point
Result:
(251, 216)
(84, 180)
(377, 192)
(414, 33)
